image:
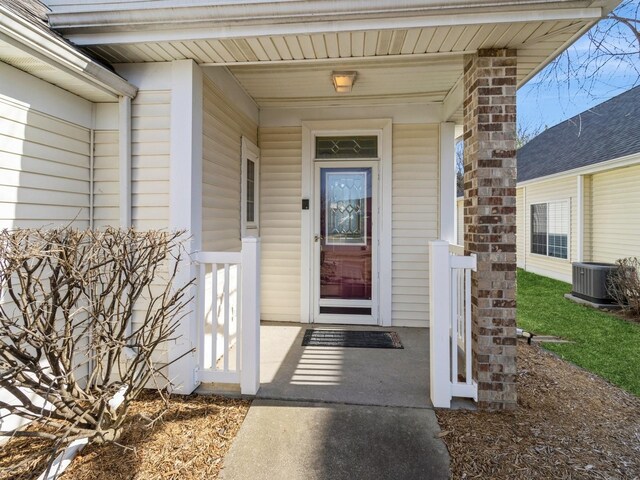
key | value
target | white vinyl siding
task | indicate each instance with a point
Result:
(223, 128)
(150, 151)
(564, 189)
(280, 222)
(106, 193)
(615, 210)
(44, 168)
(415, 219)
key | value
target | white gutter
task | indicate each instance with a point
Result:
(93, 13)
(132, 26)
(54, 51)
(580, 218)
(91, 175)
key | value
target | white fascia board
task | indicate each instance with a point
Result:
(453, 100)
(413, 113)
(122, 29)
(59, 54)
(560, 49)
(620, 162)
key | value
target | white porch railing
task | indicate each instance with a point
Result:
(228, 313)
(450, 331)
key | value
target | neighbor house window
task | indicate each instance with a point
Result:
(550, 229)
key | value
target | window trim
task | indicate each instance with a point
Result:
(250, 151)
(567, 201)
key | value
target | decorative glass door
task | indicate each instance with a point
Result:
(345, 223)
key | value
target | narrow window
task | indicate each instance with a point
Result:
(250, 183)
(251, 191)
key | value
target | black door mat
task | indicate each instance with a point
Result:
(351, 338)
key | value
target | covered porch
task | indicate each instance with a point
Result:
(248, 105)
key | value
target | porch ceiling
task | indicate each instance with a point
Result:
(283, 52)
(535, 40)
(394, 65)
(387, 81)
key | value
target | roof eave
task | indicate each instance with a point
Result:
(56, 52)
(614, 163)
(110, 25)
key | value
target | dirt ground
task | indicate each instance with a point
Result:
(187, 442)
(569, 424)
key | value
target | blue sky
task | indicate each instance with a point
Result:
(547, 102)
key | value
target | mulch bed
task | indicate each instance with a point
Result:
(187, 442)
(569, 424)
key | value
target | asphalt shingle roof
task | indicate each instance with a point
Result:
(607, 131)
(36, 13)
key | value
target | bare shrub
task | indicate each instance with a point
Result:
(82, 317)
(624, 286)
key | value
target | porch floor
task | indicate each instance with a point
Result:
(359, 376)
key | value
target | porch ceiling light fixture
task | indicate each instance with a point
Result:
(343, 81)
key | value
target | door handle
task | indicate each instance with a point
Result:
(317, 238)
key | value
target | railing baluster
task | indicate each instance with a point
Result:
(467, 316)
(454, 325)
(201, 302)
(238, 316)
(226, 318)
(214, 315)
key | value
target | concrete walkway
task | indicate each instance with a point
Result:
(282, 440)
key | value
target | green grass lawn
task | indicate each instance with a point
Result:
(601, 343)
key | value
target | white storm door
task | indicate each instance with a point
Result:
(345, 242)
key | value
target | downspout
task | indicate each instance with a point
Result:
(124, 139)
(580, 219)
(525, 253)
(92, 146)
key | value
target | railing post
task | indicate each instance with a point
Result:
(250, 317)
(440, 318)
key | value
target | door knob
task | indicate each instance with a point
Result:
(317, 238)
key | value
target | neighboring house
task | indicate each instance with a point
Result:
(324, 128)
(578, 190)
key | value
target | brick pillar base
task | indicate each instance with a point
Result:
(490, 220)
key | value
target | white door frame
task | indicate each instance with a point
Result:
(383, 129)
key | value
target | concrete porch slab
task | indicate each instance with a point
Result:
(360, 376)
(319, 441)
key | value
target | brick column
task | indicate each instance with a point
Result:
(490, 220)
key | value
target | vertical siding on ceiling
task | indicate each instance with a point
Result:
(549, 191)
(223, 128)
(280, 222)
(521, 230)
(106, 193)
(616, 214)
(150, 151)
(44, 169)
(415, 219)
